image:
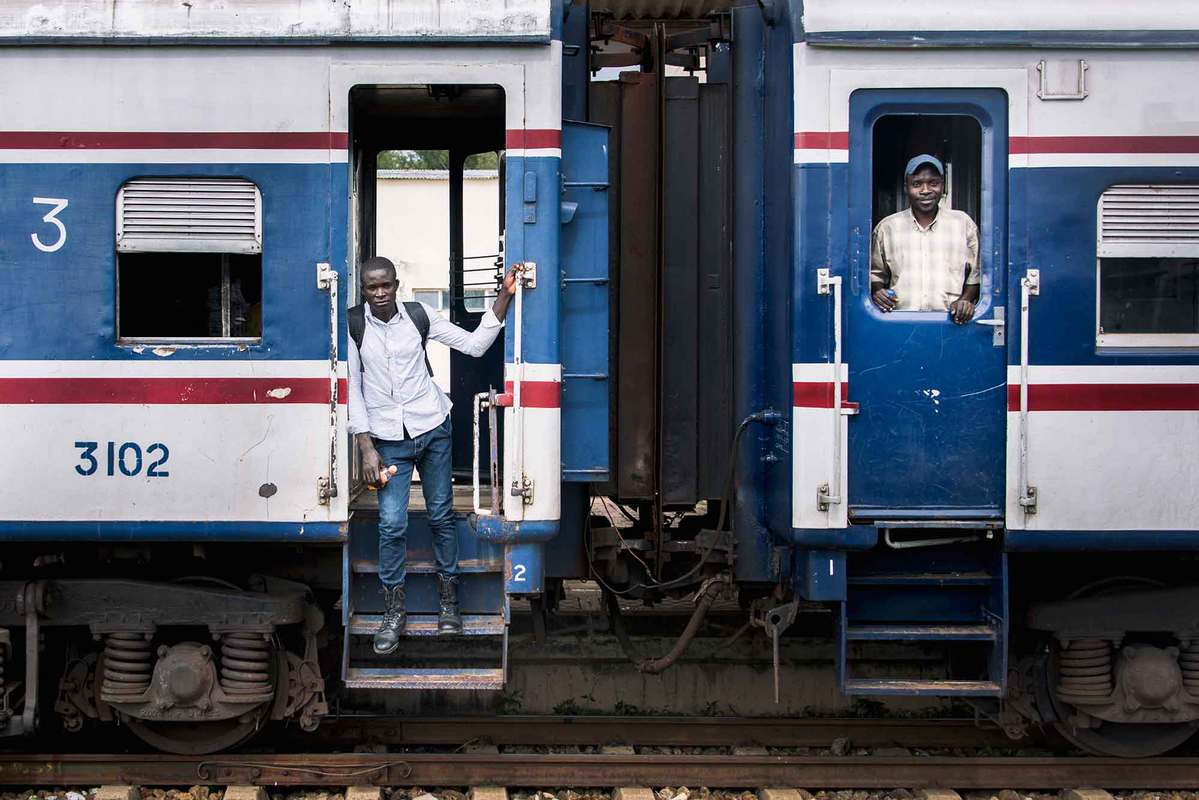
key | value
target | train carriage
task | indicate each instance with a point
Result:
(688, 191)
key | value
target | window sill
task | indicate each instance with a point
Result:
(1126, 342)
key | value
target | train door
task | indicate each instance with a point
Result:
(928, 441)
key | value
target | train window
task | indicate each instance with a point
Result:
(1148, 266)
(956, 142)
(202, 237)
(434, 298)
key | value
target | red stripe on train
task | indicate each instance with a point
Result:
(172, 140)
(822, 140)
(1032, 145)
(816, 394)
(533, 138)
(168, 391)
(1107, 397)
(537, 394)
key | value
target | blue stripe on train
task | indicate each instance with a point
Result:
(62, 305)
(1052, 227)
(67, 530)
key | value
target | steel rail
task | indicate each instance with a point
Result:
(464, 769)
(666, 731)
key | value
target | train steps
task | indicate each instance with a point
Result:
(952, 598)
(420, 662)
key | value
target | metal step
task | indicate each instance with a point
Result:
(922, 633)
(905, 686)
(923, 579)
(426, 625)
(424, 678)
(418, 567)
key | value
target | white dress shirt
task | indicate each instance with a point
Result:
(926, 267)
(394, 392)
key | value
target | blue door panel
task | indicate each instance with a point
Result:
(584, 302)
(929, 440)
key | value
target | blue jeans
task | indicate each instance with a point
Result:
(431, 454)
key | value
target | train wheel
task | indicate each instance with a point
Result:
(1099, 737)
(198, 738)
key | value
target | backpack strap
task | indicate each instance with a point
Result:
(420, 318)
(356, 321)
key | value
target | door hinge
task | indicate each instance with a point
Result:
(324, 491)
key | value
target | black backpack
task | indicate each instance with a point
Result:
(356, 318)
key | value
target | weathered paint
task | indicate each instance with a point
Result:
(78, 21)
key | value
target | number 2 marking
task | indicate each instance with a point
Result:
(51, 217)
(518, 573)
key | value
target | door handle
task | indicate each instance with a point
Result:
(996, 323)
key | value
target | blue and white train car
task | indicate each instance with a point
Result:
(185, 193)
(977, 485)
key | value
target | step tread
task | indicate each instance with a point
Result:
(426, 624)
(487, 566)
(423, 678)
(920, 631)
(923, 579)
(906, 686)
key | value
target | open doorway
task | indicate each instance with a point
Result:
(427, 193)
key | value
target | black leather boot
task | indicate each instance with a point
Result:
(448, 618)
(387, 638)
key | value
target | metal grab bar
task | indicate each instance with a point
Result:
(1030, 285)
(522, 487)
(326, 281)
(829, 493)
(485, 400)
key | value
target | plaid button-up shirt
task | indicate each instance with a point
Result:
(927, 268)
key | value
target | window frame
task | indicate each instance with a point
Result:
(225, 281)
(1132, 341)
(441, 297)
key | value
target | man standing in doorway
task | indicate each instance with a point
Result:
(925, 258)
(400, 418)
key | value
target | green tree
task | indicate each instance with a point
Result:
(433, 159)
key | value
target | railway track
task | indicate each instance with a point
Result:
(595, 770)
(662, 731)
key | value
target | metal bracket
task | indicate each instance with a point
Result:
(527, 271)
(1079, 93)
(824, 498)
(1033, 278)
(1029, 501)
(326, 276)
(523, 488)
(824, 281)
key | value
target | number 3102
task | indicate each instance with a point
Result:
(123, 457)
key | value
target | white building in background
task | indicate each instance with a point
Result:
(413, 229)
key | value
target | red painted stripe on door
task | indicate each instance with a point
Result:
(167, 391)
(822, 140)
(816, 394)
(172, 140)
(532, 138)
(537, 394)
(1103, 144)
(1107, 397)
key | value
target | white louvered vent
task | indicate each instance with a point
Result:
(189, 215)
(1149, 220)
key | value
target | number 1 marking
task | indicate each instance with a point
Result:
(59, 204)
